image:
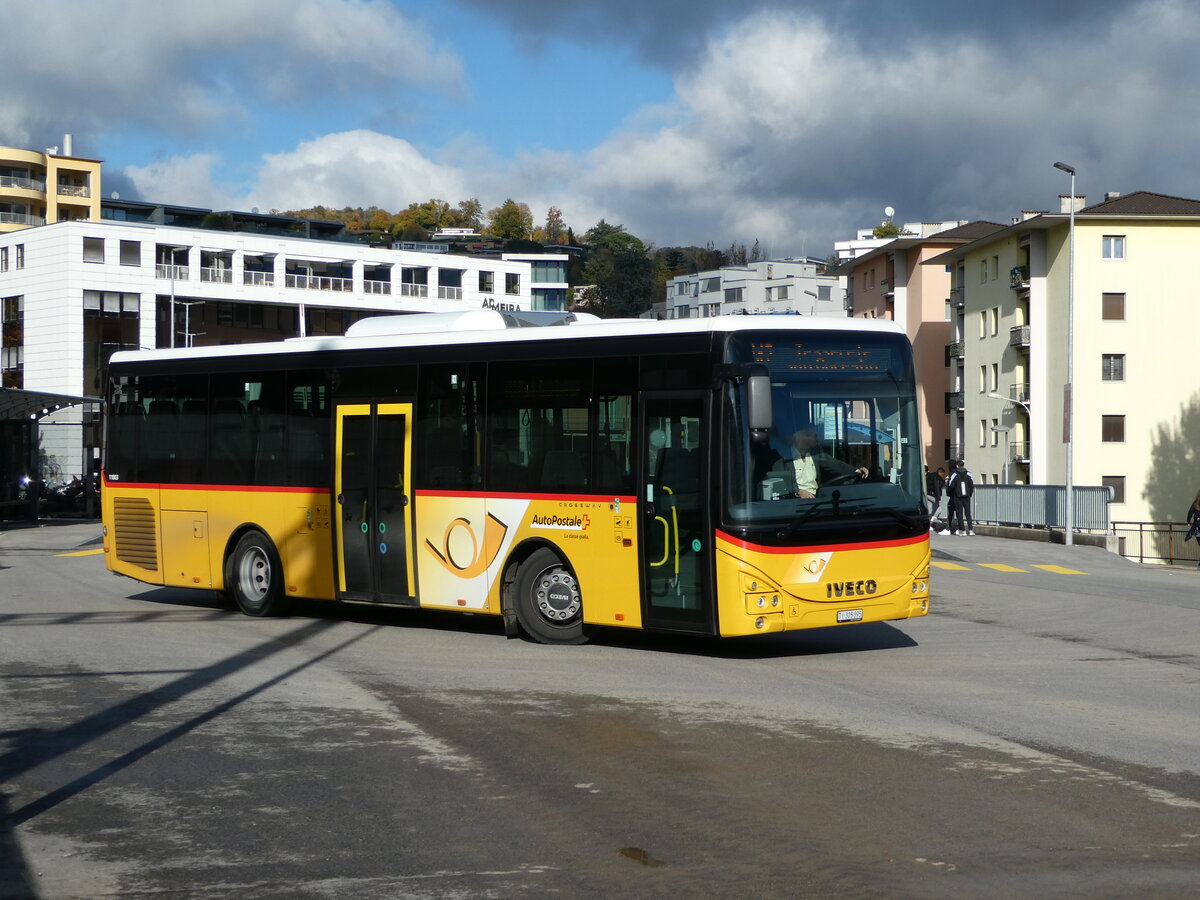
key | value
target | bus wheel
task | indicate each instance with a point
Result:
(254, 576)
(548, 603)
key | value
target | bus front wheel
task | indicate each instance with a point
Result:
(254, 576)
(548, 602)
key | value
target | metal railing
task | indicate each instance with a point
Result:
(414, 290)
(24, 184)
(259, 279)
(216, 276)
(954, 400)
(449, 293)
(1156, 542)
(1018, 452)
(1018, 336)
(1042, 506)
(371, 286)
(12, 218)
(74, 190)
(1019, 392)
(318, 283)
(1019, 277)
(955, 349)
(178, 273)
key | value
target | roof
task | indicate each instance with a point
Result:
(490, 326)
(16, 405)
(1144, 203)
(960, 234)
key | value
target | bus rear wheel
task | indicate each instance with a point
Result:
(254, 576)
(548, 602)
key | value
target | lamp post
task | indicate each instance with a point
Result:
(1028, 415)
(1004, 430)
(1068, 411)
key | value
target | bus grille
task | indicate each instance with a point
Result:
(134, 530)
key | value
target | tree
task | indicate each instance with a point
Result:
(555, 230)
(510, 220)
(614, 238)
(469, 214)
(886, 229)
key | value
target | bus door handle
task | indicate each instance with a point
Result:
(341, 499)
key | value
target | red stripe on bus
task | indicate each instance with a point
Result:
(508, 495)
(247, 488)
(865, 545)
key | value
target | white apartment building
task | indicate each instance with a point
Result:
(770, 286)
(1134, 410)
(74, 292)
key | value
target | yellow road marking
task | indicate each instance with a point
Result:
(1059, 570)
(82, 553)
(1001, 567)
(949, 565)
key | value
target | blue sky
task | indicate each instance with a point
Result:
(791, 122)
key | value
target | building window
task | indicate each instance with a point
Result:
(733, 295)
(994, 384)
(487, 283)
(20, 256)
(1112, 429)
(1113, 307)
(3, 259)
(824, 293)
(1117, 483)
(131, 253)
(982, 379)
(512, 283)
(982, 271)
(983, 426)
(781, 292)
(995, 320)
(995, 432)
(12, 345)
(1113, 366)
(93, 250)
(1114, 246)
(995, 267)
(983, 323)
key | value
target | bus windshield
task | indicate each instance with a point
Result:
(843, 450)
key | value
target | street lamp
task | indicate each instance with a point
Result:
(1024, 406)
(1068, 412)
(1003, 429)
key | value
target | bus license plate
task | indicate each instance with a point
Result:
(849, 615)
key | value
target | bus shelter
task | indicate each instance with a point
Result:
(24, 493)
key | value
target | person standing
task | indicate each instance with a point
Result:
(935, 484)
(1193, 520)
(961, 488)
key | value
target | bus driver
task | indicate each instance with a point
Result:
(810, 466)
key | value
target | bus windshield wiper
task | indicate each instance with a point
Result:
(834, 501)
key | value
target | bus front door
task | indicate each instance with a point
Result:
(374, 516)
(675, 529)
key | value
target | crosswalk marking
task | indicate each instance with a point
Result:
(82, 553)
(1059, 570)
(1001, 567)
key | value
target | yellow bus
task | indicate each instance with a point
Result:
(557, 471)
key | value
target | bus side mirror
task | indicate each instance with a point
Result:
(758, 403)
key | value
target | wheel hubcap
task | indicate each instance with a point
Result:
(256, 574)
(557, 596)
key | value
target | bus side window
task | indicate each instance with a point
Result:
(448, 420)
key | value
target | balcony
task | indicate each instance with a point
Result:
(1018, 336)
(1018, 452)
(22, 184)
(1019, 393)
(956, 297)
(1019, 278)
(214, 275)
(373, 286)
(955, 451)
(318, 283)
(886, 287)
(172, 273)
(955, 350)
(258, 279)
(445, 292)
(74, 190)
(408, 289)
(954, 401)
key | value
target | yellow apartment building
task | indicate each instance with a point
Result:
(42, 188)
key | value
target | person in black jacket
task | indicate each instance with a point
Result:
(1193, 520)
(960, 488)
(935, 484)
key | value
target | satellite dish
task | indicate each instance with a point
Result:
(115, 195)
(254, 209)
(888, 211)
